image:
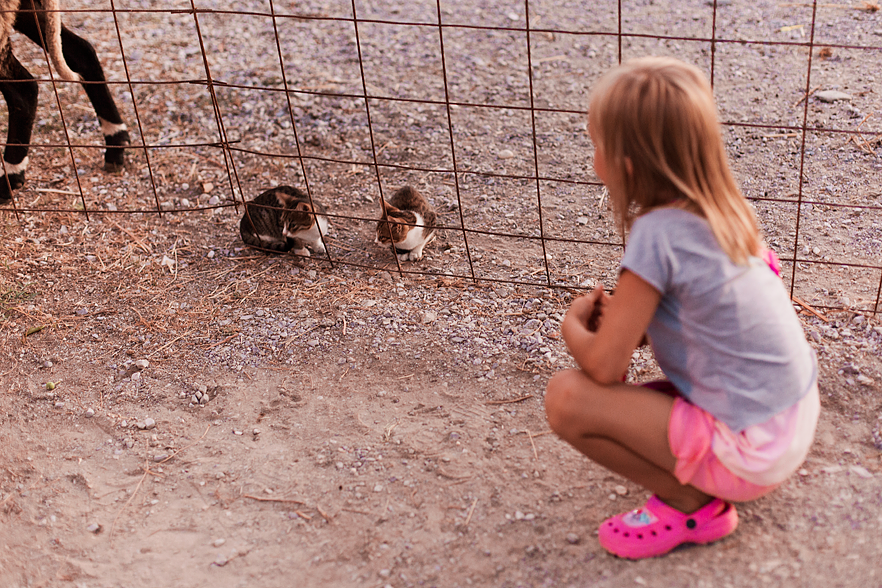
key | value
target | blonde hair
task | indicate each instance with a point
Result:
(655, 121)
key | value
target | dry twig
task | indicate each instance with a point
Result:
(512, 401)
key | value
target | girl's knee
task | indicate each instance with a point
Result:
(558, 402)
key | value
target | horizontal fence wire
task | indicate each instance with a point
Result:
(231, 149)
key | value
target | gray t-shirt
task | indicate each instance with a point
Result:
(726, 335)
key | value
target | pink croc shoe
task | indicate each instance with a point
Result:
(657, 528)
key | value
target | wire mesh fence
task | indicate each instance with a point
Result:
(483, 106)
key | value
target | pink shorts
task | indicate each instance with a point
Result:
(690, 433)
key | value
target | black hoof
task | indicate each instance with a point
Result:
(114, 167)
(115, 155)
(15, 181)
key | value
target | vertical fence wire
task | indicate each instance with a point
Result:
(131, 87)
(808, 85)
(459, 207)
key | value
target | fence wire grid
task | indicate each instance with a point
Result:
(483, 106)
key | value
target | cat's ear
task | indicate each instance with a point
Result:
(389, 209)
(285, 198)
(303, 207)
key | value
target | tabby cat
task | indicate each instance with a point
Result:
(408, 223)
(282, 219)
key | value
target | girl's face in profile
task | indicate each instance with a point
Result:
(599, 159)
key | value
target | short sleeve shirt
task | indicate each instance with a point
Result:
(725, 334)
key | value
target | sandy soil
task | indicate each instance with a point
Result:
(358, 427)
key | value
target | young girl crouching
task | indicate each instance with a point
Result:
(738, 411)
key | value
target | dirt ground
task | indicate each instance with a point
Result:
(176, 410)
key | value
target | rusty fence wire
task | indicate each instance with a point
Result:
(773, 122)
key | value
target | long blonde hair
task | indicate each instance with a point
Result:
(655, 120)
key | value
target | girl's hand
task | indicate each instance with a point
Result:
(587, 310)
(603, 350)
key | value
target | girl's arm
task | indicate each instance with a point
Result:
(606, 354)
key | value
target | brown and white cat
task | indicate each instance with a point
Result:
(408, 223)
(282, 219)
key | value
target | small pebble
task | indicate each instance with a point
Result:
(505, 154)
(860, 471)
(146, 424)
(142, 364)
(47, 364)
(90, 412)
(832, 96)
(573, 539)
(621, 490)
(94, 528)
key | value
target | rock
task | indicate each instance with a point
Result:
(573, 539)
(47, 364)
(94, 528)
(146, 424)
(428, 317)
(865, 380)
(218, 542)
(505, 154)
(832, 96)
(90, 412)
(621, 490)
(213, 201)
(142, 364)
(860, 471)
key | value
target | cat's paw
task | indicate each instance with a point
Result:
(410, 256)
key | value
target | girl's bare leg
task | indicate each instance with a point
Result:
(623, 428)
